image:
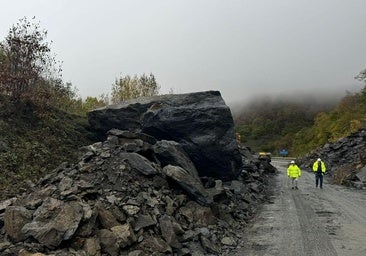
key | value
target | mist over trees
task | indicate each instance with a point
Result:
(29, 72)
(345, 118)
(302, 123)
(269, 124)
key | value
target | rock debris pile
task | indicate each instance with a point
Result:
(345, 159)
(135, 194)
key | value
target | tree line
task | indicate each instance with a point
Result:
(30, 72)
(42, 118)
(300, 126)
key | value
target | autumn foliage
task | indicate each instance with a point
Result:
(301, 126)
(27, 69)
(127, 87)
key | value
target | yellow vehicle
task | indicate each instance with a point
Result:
(265, 156)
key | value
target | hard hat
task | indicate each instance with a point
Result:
(292, 162)
(319, 159)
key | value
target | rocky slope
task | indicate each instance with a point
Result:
(115, 201)
(345, 160)
(139, 194)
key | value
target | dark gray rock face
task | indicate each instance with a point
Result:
(347, 150)
(347, 153)
(190, 184)
(51, 227)
(170, 152)
(201, 122)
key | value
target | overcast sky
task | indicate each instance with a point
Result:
(239, 47)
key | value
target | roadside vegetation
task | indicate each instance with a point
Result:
(270, 125)
(300, 126)
(43, 120)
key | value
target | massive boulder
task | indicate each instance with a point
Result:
(201, 122)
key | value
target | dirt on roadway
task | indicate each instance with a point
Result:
(308, 221)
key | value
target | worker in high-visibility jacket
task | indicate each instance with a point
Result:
(293, 172)
(319, 169)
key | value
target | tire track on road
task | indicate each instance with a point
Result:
(288, 225)
(315, 240)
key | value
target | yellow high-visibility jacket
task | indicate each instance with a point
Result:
(315, 166)
(293, 171)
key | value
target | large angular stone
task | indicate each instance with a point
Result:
(197, 215)
(191, 185)
(124, 234)
(14, 220)
(361, 175)
(201, 122)
(171, 152)
(54, 222)
(139, 163)
(108, 242)
(167, 231)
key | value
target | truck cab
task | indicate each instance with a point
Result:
(264, 156)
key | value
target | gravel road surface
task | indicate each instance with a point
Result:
(308, 221)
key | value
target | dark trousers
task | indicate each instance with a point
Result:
(319, 180)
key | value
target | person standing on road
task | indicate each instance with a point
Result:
(293, 172)
(319, 169)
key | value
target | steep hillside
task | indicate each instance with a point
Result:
(33, 142)
(269, 124)
(300, 124)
